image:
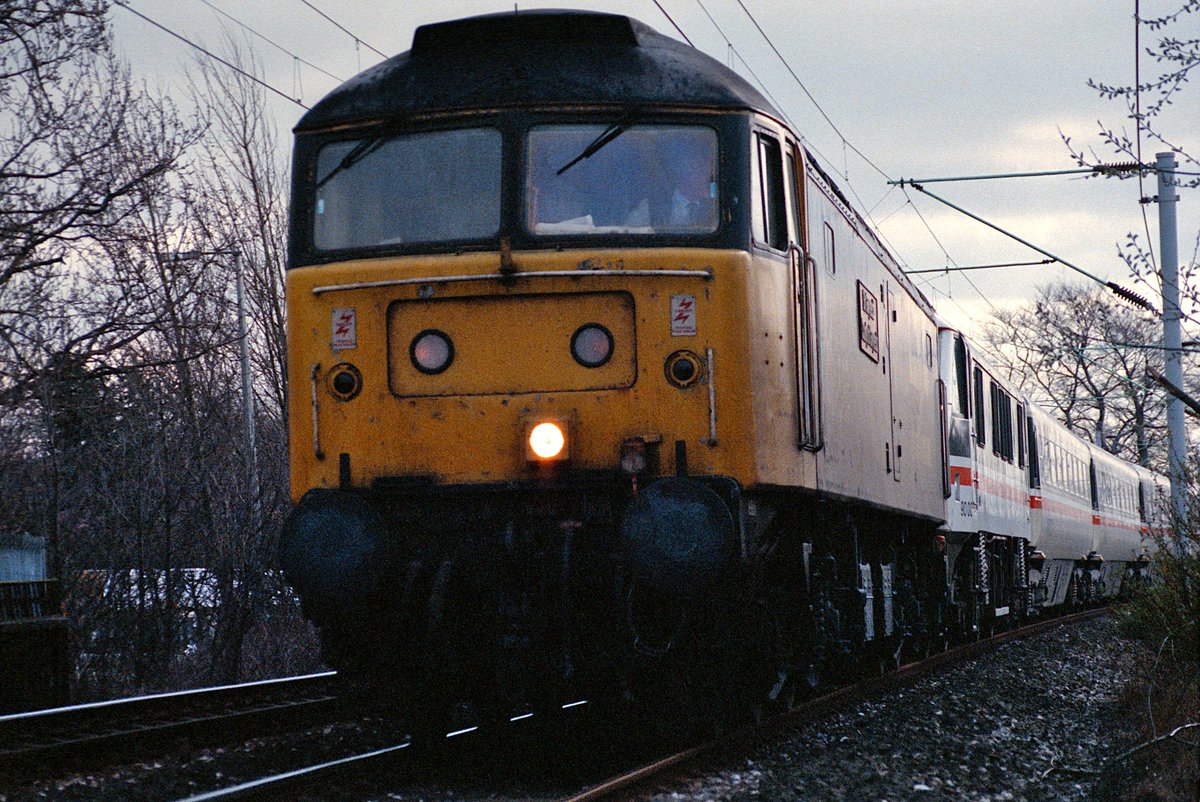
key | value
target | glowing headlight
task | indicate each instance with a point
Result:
(431, 351)
(547, 440)
(591, 345)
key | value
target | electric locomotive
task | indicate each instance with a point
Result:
(598, 382)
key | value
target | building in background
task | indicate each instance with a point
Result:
(33, 629)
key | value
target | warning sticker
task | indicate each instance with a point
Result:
(683, 315)
(345, 329)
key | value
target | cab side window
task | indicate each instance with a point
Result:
(770, 199)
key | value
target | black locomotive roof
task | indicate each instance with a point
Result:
(535, 58)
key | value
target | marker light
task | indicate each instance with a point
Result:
(345, 381)
(591, 345)
(683, 369)
(547, 440)
(633, 455)
(431, 351)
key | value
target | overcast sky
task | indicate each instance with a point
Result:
(923, 89)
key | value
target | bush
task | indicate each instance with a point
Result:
(1162, 703)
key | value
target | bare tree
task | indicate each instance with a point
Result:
(243, 194)
(121, 431)
(1086, 359)
(67, 104)
(1176, 52)
(242, 206)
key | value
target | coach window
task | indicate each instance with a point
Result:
(1035, 467)
(997, 428)
(1002, 439)
(1020, 435)
(980, 425)
(770, 205)
(960, 376)
(1006, 426)
(1092, 483)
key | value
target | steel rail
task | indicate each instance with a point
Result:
(294, 779)
(622, 786)
(288, 780)
(88, 733)
(58, 713)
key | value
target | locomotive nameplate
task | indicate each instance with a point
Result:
(868, 322)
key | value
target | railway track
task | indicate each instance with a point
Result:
(401, 764)
(307, 777)
(43, 742)
(324, 779)
(628, 784)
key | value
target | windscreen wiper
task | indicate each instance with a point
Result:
(357, 153)
(607, 135)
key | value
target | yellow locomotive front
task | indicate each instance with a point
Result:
(519, 404)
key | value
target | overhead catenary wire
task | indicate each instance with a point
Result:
(845, 142)
(214, 56)
(271, 42)
(980, 267)
(729, 43)
(1117, 289)
(803, 140)
(674, 24)
(357, 40)
(806, 142)
(946, 253)
(760, 82)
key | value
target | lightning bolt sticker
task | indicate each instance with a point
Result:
(683, 315)
(345, 330)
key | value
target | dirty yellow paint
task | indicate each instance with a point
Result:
(512, 364)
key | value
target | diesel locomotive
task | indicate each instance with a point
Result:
(598, 382)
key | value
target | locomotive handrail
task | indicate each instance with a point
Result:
(706, 274)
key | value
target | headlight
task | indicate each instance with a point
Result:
(591, 345)
(431, 351)
(547, 440)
